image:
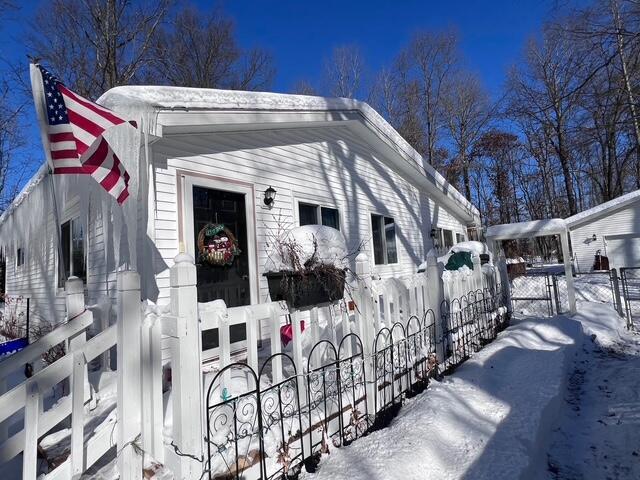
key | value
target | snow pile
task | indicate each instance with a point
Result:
(484, 422)
(476, 248)
(324, 244)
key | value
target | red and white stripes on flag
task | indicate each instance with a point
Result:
(75, 128)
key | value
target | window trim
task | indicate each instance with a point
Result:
(319, 205)
(385, 252)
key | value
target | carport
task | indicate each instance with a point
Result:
(537, 228)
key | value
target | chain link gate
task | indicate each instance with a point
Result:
(630, 279)
(531, 294)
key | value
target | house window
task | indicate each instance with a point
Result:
(3, 274)
(311, 214)
(19, 257)
(73, 254)
(459, 237)
(383, 231)
(447, 238)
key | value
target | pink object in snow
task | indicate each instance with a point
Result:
(286, 333)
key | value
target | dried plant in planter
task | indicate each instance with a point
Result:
(307, 265)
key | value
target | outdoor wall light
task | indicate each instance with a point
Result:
(594, 238)
(433, 233)
(269, 196)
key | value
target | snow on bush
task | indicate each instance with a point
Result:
(302, 247)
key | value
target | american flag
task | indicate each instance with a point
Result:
(75, 127)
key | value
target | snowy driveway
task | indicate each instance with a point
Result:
(598, 432)
(486, 421)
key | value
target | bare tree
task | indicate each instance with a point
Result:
(200, 50)
(344, 72)
(467, 110)
(544, 92)
(96, 44)
(304, 87)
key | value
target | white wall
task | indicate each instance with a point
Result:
(326, 165)
(625, 221)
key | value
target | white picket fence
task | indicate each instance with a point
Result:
(138, 340)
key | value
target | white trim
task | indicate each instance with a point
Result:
(248, 190)
(384, 240)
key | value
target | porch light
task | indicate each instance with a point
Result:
(594, 238)
(433, 233)
(269, 195)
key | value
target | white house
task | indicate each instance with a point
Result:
(209, 156)
(612, 229)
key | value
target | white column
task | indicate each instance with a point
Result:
(566, 255)
(129, 389)
(364, 323)
(186, 368)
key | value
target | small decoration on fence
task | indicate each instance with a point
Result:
(217, 246)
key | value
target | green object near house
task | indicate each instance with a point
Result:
(459, 259)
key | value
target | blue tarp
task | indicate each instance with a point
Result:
(12, 346)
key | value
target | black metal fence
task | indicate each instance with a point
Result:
(257, 428)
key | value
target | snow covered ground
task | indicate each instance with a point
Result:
(489, 420)
(598, 434)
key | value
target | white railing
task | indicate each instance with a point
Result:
(140, 397)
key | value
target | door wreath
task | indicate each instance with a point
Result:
(217, 246)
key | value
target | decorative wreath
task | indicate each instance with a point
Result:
(217, 246)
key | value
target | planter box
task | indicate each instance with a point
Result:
(305, 289)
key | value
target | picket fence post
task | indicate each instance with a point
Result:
(186, 369)
(436, 296)
(504, 282)
(152, 401)
(477, 273)
(32, 408)
(364, 324)
(79, 383)
(129, 402)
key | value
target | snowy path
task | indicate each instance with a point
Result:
(598, 434)
(484, 422)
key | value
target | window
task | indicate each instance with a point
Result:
(19, 257)
(459, 237)
(3, 274)
(310, 214)
(383, 230)
(447, 238)
(73, 255)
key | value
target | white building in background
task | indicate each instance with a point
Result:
(611, 229)
(203, 156)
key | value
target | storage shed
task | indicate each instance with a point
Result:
(611, 229)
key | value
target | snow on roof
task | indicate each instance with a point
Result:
(136, 98)
(598, 210)
(534, 228)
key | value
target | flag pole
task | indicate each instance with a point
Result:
(37, 89)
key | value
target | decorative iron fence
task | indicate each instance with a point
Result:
(256, 428)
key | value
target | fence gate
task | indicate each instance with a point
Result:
(531, 294)
(598, 287)
(630, 278)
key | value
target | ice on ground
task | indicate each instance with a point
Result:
(486, 421)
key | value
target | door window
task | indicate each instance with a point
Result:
(223, 212)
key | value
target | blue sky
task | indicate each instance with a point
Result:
(301, 35)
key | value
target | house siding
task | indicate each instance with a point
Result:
(326, 165)
(625, 221)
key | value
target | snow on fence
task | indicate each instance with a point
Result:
(261, 415)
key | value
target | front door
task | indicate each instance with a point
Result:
(221, 240)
